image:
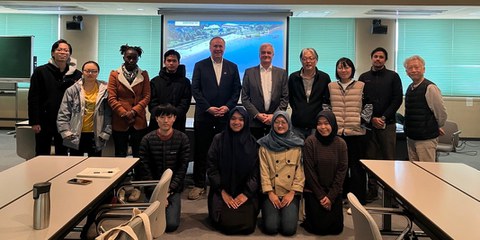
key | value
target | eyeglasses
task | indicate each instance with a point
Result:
(311, 59)
(280, 123)
(90, 71)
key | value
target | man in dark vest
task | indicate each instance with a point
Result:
(425, 113)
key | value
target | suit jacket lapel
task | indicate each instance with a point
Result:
(257, 78)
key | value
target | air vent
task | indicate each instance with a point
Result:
(54, 8)
(405, 12)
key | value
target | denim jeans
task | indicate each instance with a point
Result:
(282, 220)
(173, 212)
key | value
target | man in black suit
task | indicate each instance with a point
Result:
(264, 91)
(216, 89)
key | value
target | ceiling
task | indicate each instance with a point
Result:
(329, 11)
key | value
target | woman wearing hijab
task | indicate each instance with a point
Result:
(234, 177)
(128, 95)
(325, 158)
(85, 118)
(282, 177)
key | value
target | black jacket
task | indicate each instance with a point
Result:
(303, 112)
(383, 89)
(173, 88)
(47, 87)
(156, 156)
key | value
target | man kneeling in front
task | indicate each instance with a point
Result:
(162, 149)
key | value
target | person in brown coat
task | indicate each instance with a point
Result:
(128, 95)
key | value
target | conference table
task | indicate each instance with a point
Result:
(435, 205)
(18, 180)
(70, 203)
(459, 175)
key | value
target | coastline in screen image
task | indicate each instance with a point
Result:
(242, 38)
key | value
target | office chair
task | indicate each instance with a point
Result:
(135, 228)
(450, 142)
(160, 193)
(25, 139)
(365, 227)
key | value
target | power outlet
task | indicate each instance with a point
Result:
(469, 102)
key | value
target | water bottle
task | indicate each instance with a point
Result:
(41, 207)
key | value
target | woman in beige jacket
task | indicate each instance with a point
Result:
(282, 176)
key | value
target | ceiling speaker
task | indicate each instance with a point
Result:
(76, 24)
(378, 28)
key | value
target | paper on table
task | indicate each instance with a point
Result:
(98, 172)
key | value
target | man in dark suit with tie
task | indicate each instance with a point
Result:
(264, 91)
(216, 88)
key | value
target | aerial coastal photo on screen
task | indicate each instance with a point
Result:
(191, 39)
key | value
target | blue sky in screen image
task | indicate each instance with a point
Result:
(243, 39)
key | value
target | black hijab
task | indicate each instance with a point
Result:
(239, 154)
(333, 122)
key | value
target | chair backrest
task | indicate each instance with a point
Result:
(449, 141)
(138, 225)
(160, 193)
(364, 225)
(25, 142)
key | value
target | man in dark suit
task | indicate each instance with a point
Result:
(216, 89)
(264, 91)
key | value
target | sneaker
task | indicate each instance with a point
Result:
(134, 195)
(195, 193)
(349, 211)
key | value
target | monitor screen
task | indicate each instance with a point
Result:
(190, 36)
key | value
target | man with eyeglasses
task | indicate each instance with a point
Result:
(47, 87)
(264, 91)
(425, 113)
(308, 91)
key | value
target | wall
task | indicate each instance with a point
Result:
(85, 48)
(84, 42)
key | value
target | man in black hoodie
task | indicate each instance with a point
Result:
(171, 86)
(383, 88)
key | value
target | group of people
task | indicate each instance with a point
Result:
(254, 156)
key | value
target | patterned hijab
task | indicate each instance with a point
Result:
(333, 122)
(280, 142)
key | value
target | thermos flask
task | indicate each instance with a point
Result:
(41, 207)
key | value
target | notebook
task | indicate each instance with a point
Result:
(98, 172)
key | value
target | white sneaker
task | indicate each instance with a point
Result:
(349, 211)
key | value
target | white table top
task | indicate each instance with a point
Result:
(18, 180)
(449, 210)
(459, 175)
(69, 202)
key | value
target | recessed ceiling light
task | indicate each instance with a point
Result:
(119, 9)
(140, 9)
